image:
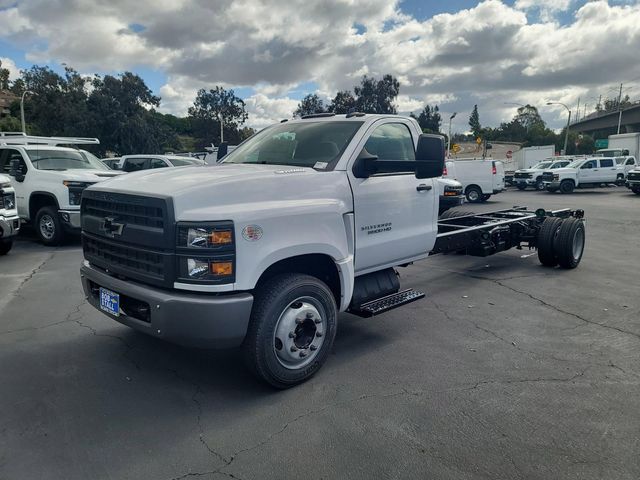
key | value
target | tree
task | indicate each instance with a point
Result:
(611, 104)
(474, 122)
(309, 105)
(208, 107)
(377, 96)
(529, 117)
(342, 103)
(4, 78)
(429, 119)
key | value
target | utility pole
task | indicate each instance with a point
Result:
(449, 137)
(221, 131)
(619, 108)
(578, 111)
(22, 109)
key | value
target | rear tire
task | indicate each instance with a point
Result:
(620, 181)
(569, 245)
(291, 331)
(5, 246)
(567, 186)
(485, 198)
(48, 226)
(473, 194)
(546, 241)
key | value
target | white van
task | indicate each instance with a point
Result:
(480, 178)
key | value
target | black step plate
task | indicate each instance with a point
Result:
(386, 303)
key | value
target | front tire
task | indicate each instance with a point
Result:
(291, 331)
(567, 186)
(5, 246)
(540, 185)
(636, 191)
(474, 194)
(48, 226)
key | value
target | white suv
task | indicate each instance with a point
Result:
(49, 180)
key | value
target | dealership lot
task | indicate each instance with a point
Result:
(506, 370)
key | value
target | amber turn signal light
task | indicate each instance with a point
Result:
(221, 269)
(221, 237)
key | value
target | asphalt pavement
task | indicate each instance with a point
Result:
(506, 370)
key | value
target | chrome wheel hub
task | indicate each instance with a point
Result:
(578, 243)
(47, 227)
(299, 333)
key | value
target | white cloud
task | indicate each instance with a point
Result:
(14, 71)
(489, 54)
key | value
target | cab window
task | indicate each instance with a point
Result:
(589, 164)
(135, 164)
(7, 156)
(631, 161)
(606, 162)
(391, 141)
(158, 163)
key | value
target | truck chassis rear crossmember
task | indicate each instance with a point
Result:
(485, 234)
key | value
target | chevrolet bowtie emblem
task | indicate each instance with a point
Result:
(111, 228)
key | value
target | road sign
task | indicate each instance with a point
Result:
(602, 143)
(455, 148)
(509, 154)
(478, 140)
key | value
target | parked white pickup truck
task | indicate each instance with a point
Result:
(532, 177)
(587, 172)
(633, 181)
(9, 220)
(49, 179)
(480, 178)
(306, 219)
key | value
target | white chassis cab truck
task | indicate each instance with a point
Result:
(49, 179)
(306, 219)
(582, 173)
(9, 219)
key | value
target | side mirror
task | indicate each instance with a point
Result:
(430, 156)
(16, 170)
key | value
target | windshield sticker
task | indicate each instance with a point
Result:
(320, 165)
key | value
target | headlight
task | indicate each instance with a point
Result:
(452, 191)
(7, 199)
(206, 252)
(206, 236)
(556, 176)
(75, 190)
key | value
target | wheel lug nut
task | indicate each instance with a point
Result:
(292, 335)
(313, 348)
(318, 320)
(299, 321)
(303, 354)
(309, 315)
(318, 334)
(294, 348)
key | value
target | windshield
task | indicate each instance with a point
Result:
(65, 160)
(308, 144)
(541, 165)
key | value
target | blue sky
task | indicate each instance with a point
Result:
(454, 53)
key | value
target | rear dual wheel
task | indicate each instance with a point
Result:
(561, 242)
(5, 246)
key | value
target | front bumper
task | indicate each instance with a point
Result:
(632, 184)
(70, 219)
(449, 201)
(553, 184)
(189, 319)
(530, 182)
(9, 226)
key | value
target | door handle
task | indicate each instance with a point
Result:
(423, 187)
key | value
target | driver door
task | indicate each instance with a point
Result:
(589, 172)
(395, 213)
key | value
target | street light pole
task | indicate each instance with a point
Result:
(566, 133)
(449, 137)
(221, 131)
(22, 109)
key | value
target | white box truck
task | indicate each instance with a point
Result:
(526, 158)
(624, 144)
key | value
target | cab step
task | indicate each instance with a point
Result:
(386, 303)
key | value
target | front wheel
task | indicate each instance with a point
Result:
(567, 186)
(474, 194)
(291, 331)
(48, 226)
(5, 246)
(636, 191)
(540, 185)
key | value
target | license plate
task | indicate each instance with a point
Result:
(110, 302)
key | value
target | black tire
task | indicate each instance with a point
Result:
(485, 198)
(540, 185)
(567, 186)
(452, 213)
(273, 301)
(5, 246)
(552, 189)
(521, 186)
(473, 194)
(48, 226)
(636, 191)
(569, 245)
(546, 241)
(620, 181)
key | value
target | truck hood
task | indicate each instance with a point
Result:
(206, 192)
(529, 170)
(560, 171)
